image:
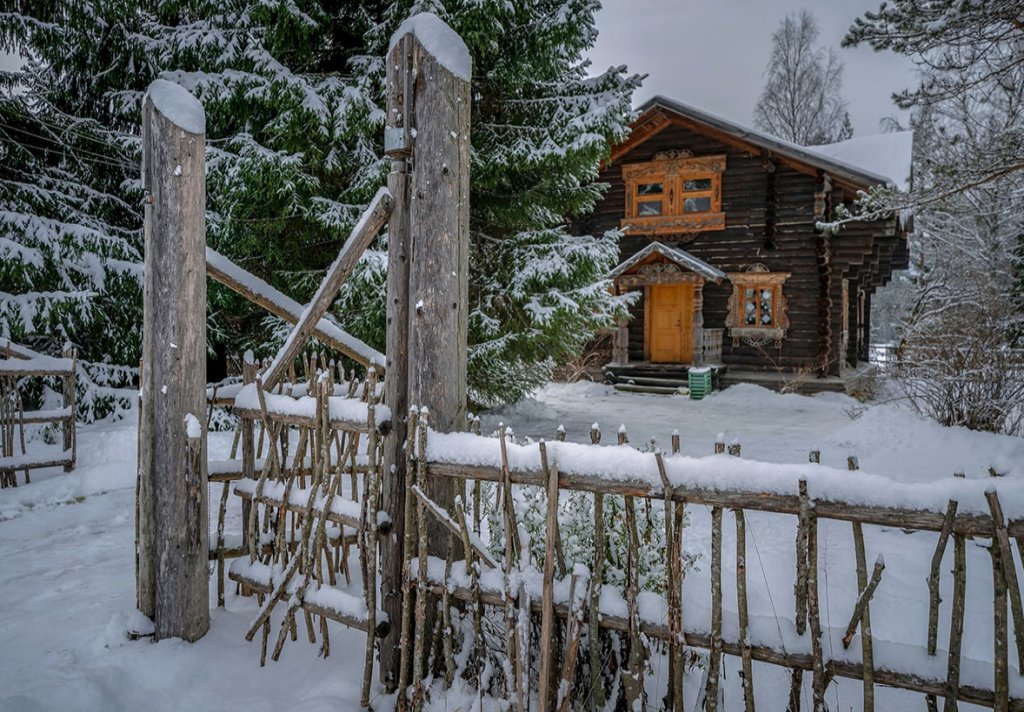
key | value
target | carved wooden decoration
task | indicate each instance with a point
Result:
(673, 153)
(674, 194)
(656, 273)
(645, 127)
(768, 302)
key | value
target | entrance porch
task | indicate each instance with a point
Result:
(672, 281)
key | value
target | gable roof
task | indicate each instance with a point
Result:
(673, 254)
(858, 162)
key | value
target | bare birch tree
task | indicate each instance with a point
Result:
(961, 359)
(802, 101)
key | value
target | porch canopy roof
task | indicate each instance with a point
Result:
(659, 253)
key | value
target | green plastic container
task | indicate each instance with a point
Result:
(699, 380)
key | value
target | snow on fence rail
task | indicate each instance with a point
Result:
(20, 363)
(954, 508)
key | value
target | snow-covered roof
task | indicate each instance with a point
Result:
(674, 254)
(887, 155)
(869, 160)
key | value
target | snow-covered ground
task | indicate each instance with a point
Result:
(67, 564)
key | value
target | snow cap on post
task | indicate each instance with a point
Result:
(440, 40)
(178, 104)
(175, 103)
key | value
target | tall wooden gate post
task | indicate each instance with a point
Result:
(427, 137)
(173, 534)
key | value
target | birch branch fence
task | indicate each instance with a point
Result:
(542, 627)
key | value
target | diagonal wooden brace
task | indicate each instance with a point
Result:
(362, 235)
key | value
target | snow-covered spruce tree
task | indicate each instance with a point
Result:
(70, 204)
(802, 101)
(293, 151)
(293, 91)
(540, 128)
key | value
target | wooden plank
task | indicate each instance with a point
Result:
(364, 232)
(28, 369)
(220, 269)
(264, 588)
(46, 416)
(275, 502)
(309, 421)
(28, 462)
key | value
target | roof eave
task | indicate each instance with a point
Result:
(858, 178)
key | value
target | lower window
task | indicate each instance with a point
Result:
(757, 308)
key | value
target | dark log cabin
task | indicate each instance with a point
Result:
(721, 241)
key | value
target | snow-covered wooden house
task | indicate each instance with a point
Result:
(721, 239)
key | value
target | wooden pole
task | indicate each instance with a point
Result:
(933, 577)
(395, 476)
(1002, 543)
(174, 526)
(715, 651)
(547, 622)
(862, 612)
(594, 612)
(867, 589)
(956, 623)
(999, 625)
(741, 604)
(632, 674)
(818, 681)
(800, 590)
(428, 110)
(674, 575)
(68, 426)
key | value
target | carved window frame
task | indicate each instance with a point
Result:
(672, 169)
(758, 279)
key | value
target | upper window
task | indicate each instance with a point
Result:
(673, 194)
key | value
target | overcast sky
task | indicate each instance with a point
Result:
(712, 54)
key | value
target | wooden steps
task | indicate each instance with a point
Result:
(654, 378)
(656, 390)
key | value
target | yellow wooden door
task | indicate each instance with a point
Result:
(670, 331)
